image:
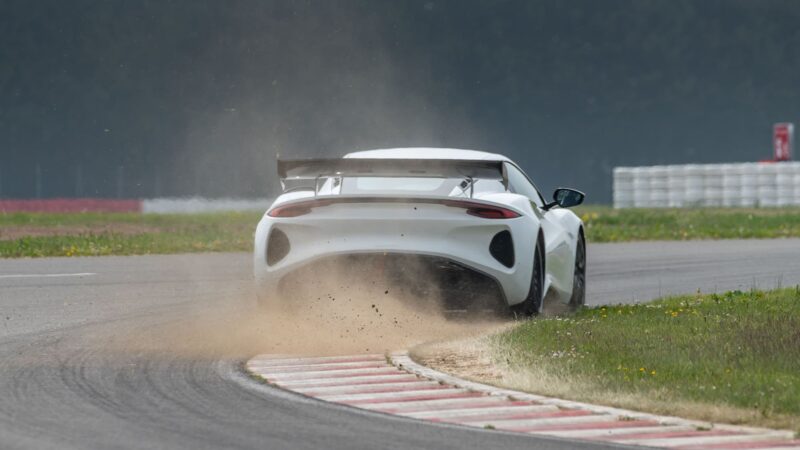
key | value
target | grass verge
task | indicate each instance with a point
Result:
(732, 358)
(605, 224)
(94, 234)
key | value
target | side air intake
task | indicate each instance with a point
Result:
(502, 248)
(277, 246)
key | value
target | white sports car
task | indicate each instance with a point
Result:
(473, 219)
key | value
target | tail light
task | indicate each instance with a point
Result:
(298, 209)
(481, 210)
(290, 211)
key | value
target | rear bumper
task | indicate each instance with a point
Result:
(428, 281)
(434, 232)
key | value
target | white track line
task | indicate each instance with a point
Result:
(48, 275)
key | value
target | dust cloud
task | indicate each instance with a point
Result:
(332, 309)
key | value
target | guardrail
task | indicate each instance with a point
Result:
(708, 185)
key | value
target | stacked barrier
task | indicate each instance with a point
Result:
(708, 185)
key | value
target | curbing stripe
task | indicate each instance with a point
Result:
(403, 387)
(466, 412)
(403, 361)
(412, 396)
(328, 374)
(513, 424)
(597, 433)
(329, 382)
(516, 416)
(283, 359)
(613, 424)
(435, 405)
(322, 368)
(775, 445)
(793, 447)
(318, 366)
(669, 434)
(370, 388)
(700, 440)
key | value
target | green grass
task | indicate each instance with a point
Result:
(605, 224)
(89, 234)
(126, 234)
(739, 349)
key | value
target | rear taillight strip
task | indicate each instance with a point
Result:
(476, 209)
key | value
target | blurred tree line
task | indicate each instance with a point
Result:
(181, 97)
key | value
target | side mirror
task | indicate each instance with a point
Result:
(566, 198)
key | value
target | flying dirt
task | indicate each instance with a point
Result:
(329, 313)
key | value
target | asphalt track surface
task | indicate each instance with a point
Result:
(64, 383)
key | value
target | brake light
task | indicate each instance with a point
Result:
(298, 209)
(483, 211)
(472, 208)
(492, 213)
(289, 211)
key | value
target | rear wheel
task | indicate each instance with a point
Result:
(578, 298)
(532, 305)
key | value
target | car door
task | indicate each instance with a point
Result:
(558, 252)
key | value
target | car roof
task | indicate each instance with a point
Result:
(427, 153)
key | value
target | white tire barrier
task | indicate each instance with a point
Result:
(784, 179)
(193, 205)
(708, 185)
(796, 183)
(623, 187)
(767, 188)
(641, 187)
(676, 186)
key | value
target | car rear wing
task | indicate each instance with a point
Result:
(306, 173)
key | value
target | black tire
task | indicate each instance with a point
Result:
(532, 305)
(578, 298)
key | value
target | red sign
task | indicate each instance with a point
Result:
(782, 140)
